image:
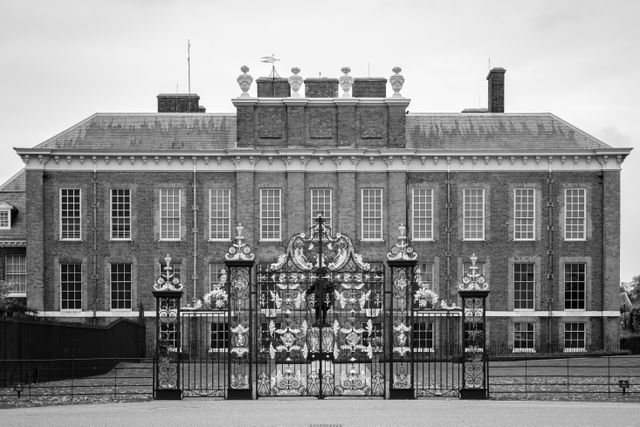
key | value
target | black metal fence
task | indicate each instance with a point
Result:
(612, 377)
(75, 380)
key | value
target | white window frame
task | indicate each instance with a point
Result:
(362, 216)
(216, 270)
(533, 339)
(17, 288)
(224, 193)
(430, 327)
(315, 209)
(428, 235)
(126, 218)
(111, 283)
(6, 212)
(163, 218)
(533, 285)
(226, 332)
(584, 338)
(263, 218)
(582, 220)
(465, 216)
(72, 283)
(79, 216)
(584, 285)
(516, 218)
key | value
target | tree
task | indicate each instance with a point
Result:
(632, 288)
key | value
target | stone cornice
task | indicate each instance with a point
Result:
(329, 160)
(320, 102)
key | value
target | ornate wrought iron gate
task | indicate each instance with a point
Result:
(320, 320)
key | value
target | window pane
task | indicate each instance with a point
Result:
(5, 219)
(220, 214)
(70, 214)
(422, 227)
(372, 214)
(270, 214)
(574, 286)
(121, 214)
(70, 286)
(321, 203)
(15, 272)
(422, 335)
(524, 214)
(170, 213)
(575, 213)
(523, 286)
(473, 227)
(120, 286)
(523, 336)
(218, 336)
(574, 336)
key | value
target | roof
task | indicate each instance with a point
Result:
(495, 131)
(139, 132)
(16, 184)
(150, 131)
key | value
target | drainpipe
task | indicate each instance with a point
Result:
(603, 275)
(550, 287)
(195, 230)
(95, 244)
(448, 231)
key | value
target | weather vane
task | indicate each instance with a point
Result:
(271, 60)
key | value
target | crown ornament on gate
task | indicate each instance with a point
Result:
(240, 250)
(473, 281)
(402, 251)
(168, 280)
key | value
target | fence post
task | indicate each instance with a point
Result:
(168, 292)
(473, 291)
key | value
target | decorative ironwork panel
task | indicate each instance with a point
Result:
(319, 311)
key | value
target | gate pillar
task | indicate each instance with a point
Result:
(239, 261)
(401, 261)
(167, 290)
(474, 290)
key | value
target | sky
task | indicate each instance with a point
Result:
(62, 61)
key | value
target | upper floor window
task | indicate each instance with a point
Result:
(15, 273)
(523, 286)
(371, 207)
(524, 217)
(574, 286)
(575, 201)
(70, 286)
(70, 214)
(422, 214)
(219, 214)
(170, 219)
(121, 214)
(5, 218)
(121, 286)
(270, 214)
(473, 214)
(321, 203)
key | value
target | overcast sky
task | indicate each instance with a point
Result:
(61, 61)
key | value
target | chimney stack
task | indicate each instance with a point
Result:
(179, 103)
(273, 87)
(496, 90)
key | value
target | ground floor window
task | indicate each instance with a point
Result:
(523, 337)
(422, 336)
(218, 337)
(121, 286)
(574, 337)
(70, 286)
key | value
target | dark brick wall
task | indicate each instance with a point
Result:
(321, 88)
(375, 87)
(179, 103)
(145, 251)
(273, 87)
(496, 90)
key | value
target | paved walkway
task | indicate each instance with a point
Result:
(307, 413)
